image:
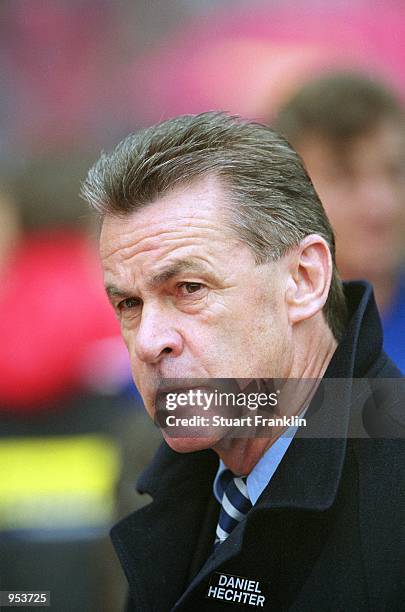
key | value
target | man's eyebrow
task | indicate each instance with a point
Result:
(174, 269)
(113, 291)
(170, 271)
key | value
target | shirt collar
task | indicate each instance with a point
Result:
(262, 473)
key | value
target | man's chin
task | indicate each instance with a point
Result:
(189, 445)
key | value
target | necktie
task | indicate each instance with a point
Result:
(235, 504)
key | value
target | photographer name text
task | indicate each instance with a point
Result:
(256, 420)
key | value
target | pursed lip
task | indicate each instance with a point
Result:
(178, 385)
(207, 385)
(163, 391)
(185, 385)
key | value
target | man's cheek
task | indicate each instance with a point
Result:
(147, 398)
(128, 337)
(139, 380)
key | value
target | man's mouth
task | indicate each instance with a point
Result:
(176, 391)
(183, 385)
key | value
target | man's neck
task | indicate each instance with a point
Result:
(241, 455)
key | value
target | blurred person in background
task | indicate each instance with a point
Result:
(349, 130)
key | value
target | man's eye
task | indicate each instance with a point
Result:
(128, 304)
(187, 288)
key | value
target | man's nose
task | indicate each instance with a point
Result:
(156, 335)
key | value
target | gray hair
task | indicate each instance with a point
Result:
(274, 202)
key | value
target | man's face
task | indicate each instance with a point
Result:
(191, 301)
(362, 189)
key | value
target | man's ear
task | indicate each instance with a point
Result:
(310, 269)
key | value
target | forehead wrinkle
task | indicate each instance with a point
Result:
(128, 246)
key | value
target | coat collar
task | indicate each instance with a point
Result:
(155, 544)
(362, 342)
